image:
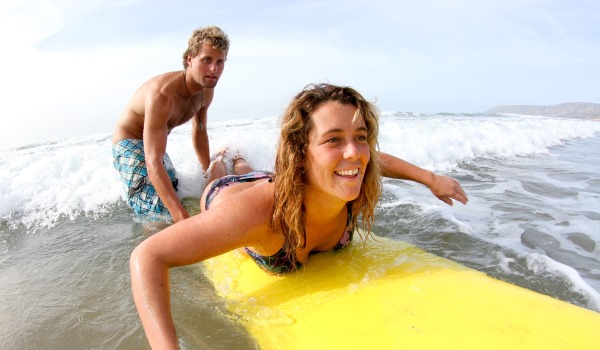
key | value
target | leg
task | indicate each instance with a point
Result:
(217, 168)
(240, 166)
(216, 171)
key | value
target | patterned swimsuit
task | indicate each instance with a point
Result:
(229, 180)
(279, 263)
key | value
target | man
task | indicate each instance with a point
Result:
(159, 105)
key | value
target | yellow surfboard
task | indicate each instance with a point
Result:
(388, 294)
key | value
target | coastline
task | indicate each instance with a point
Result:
(573, 110)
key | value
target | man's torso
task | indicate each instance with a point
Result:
(165, 86)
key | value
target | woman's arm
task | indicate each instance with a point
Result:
(443, 187)
(234, 223)
(151, 293)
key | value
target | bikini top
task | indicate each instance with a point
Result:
(280, 263)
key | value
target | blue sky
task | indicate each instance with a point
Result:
(68, 67)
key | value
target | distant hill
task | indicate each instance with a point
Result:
(568, 110)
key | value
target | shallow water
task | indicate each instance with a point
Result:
(69, 288)
(531, 220)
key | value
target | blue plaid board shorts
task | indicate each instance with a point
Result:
(130, 162)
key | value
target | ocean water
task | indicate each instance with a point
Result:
(533, 219)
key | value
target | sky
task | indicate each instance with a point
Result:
(68, 67)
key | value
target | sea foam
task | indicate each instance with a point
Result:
(43, 183)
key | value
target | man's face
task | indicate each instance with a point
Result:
(207, 66)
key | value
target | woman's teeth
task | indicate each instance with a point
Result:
(350, 172)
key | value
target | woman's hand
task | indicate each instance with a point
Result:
(446, 189)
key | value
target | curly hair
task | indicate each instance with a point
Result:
(212, 35)
(291, 161)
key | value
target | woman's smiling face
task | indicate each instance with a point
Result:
(338, 151)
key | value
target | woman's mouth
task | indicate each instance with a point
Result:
(348, 172)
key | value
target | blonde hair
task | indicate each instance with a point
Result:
(291, 161)
(211, 35)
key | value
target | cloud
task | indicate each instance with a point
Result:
(53, 92)
(70, 66)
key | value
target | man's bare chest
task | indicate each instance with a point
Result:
(183, 113)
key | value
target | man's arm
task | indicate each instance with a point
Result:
(200, 138)
(443, 187)
(158, 108)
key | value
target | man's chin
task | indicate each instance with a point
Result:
(210, 85)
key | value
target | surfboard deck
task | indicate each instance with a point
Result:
(388, 294)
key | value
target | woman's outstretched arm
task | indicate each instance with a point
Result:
(443, 187)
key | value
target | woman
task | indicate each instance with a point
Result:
(328, 174)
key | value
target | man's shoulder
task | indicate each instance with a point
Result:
(162, 80)
(161, 87)
(207, 98)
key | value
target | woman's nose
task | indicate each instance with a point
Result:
(351, 151)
